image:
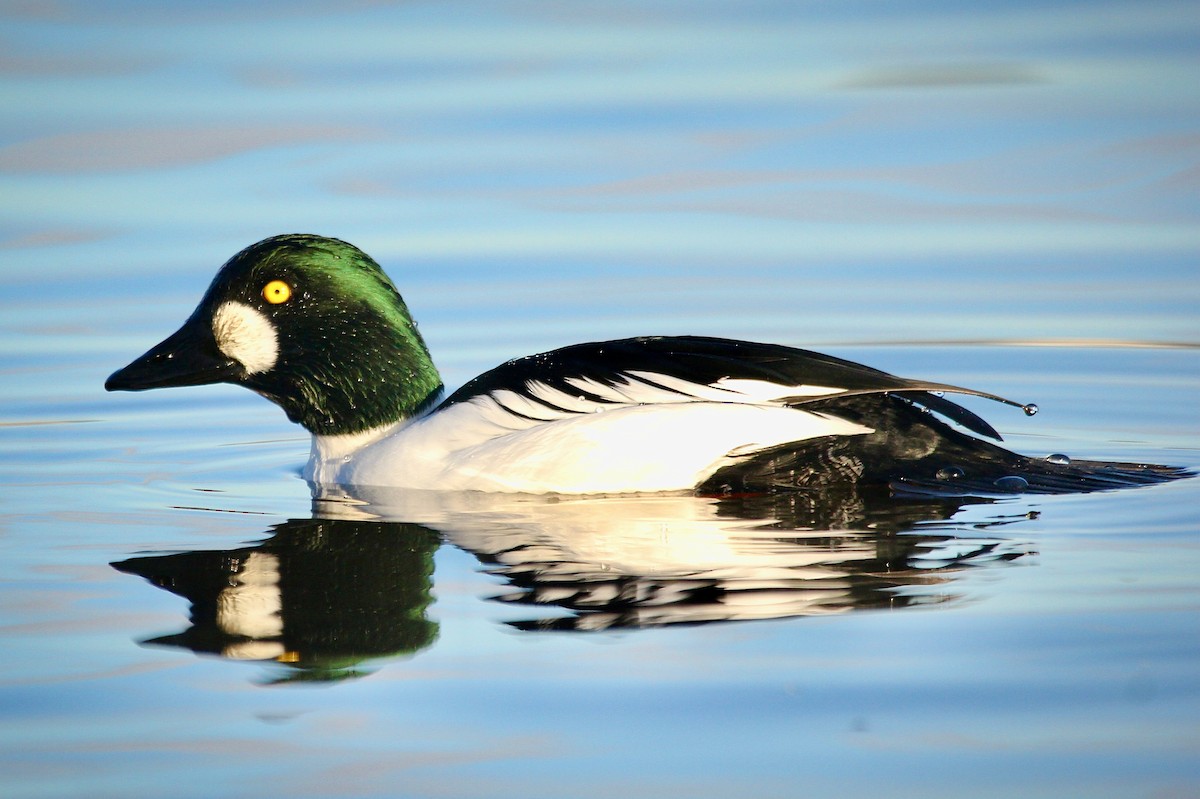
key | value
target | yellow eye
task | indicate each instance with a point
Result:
(276, 292)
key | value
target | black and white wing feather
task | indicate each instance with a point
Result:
(586, 378)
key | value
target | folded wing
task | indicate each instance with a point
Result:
(586, 378)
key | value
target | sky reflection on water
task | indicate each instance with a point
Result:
(1020, 152)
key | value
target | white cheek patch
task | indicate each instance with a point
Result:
(246, 335)
(253, 603)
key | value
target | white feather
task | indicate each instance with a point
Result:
(522, 404)
(561, 399)
(602, 390)
(766, 391)
(728, 389)
(246, 335)
(478, 445)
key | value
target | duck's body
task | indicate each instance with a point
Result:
(314, 325)
(557, 422)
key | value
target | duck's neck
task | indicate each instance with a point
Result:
(380, 375)
(358, 401)
(331, 451)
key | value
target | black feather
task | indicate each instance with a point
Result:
(704, 361)
(914, 453)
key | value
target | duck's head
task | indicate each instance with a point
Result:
(311, 323)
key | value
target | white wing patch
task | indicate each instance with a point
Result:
(523, 405)
(766, 391)
(541, 402)
(602, 390)
(570, 403)
(732, 389)
(246, 335)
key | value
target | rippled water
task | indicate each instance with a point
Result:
(995, 195)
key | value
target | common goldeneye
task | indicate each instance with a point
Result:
(314, 325)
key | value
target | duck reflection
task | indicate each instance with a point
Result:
(644, 561)
(322, 597)
(327, 595)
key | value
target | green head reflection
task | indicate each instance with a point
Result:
(321, 597)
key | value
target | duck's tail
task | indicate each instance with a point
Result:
(1054, 474)
(914, 453)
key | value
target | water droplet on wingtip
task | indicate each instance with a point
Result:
(1059, 458)
(1029, 409)
(949, 473)
(1012, 483)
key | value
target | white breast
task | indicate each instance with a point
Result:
(478, 445)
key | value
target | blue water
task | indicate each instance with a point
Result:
(994, 195)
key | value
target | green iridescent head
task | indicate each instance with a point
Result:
(311, 323)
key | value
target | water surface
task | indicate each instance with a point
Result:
(995, 195)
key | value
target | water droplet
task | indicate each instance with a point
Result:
(1012, 483)
(949, 473)
(1059, 458)
(1029, 409)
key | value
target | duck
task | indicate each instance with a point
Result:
(316, 326)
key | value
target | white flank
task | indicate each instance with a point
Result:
(478, 445)
(640, 432)
(330, 453)
(246, 335)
